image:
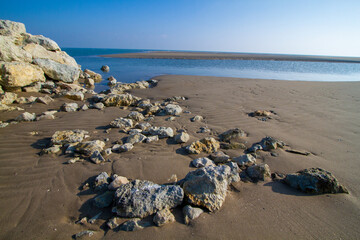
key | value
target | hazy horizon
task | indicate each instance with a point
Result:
(327, 28)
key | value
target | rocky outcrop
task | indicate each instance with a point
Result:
(10, 52)
(141, 198)
(232, 135)
(58, 71)
(10, 28)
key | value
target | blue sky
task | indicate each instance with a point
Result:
(314, 27)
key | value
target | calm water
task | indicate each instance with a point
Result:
(131, 70)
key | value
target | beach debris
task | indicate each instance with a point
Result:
(315, 181)
(68, 136)
(260, 113)
(202, 162)
(161, 132)
(136, 116)
(105, 68)
(118, 100)
(219, 157)
(182, 137)
(45, 100)
(91, 74)
(207, 187)
(87, 148)
(163, 217)
(191, 213)
(26, 117)
(207, 145)
(258, 172)
(197, 118)
(69, 107)
(122, 123)
(245, 160)
(131, 225)
(86, 233)
(77, 96)
(172, 109)
(135, 138)
(266, 144)
(233, 134)
(117, 182)
(301, 152)
(141, 198)
(104, 200)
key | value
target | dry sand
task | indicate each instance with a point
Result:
(232, 56)
(40, 196)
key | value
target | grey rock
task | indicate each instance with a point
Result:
(182, 137)
(315, 181)
(191, 213)
(104, 200)
(135, 138)
(172, 109)
(162, 132)
(122, 123)
(26, 117)
(207, 187)
(84, 234)
(204, 130)
(77, 96)
(84, 107)
(202, 162)
(97, 77)
(197, 118)
(99, 106)
(102, 181)
(245, 160)
(45, 42)
(219, 157)
(232, 134)
(126, 147)
(267, 144)
(143, 126)
(131, 225)
(58, 71)
(136, 116)
(45, 100)
(163, 217)
(258, 172)
(69, 107)
(9, 51)
(52, 150)
(105, 68)
(96, 157)
(152, 139)
(141, 198)
(117, 182)
(48, 84)
(87, 148)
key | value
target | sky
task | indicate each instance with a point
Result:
(315, 27)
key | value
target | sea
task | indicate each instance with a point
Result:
(128, 70)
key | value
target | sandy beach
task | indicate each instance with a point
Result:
(41, 198)
(231, 56)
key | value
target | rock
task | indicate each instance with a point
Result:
(315, 181)
(134, 131)
(300, 152)
(89, 147)
(45, 42)
(77, 96)
(141, 198)
(84, 107)
(219, 157)
(233, 145)
(10, 52)
(173, 179)
(258, 172)
(190, 213)
(143, 126)
(8, 98)
(97, 77)
(202, 162)
(44, 100)
(118, 100)
(68, 136)
(162, 132)
(135, 138)
(172, 109)
(58, 71)
(204, 130)
(96, 157)
(117, 182)
(182, 137)
(197, 118)
(1, 90)
(102, 181)
(2, 124)
(163, 217)
(83, 234)
(33, 88)
(52, 150)
(170, 119)
(89, 82)
(107, 151)
(99, 106)
(69, 107)
(207, 187)
(48, 84)
(71, 87)
(113, 223)
(26, 117)
(75, 160)
(261, 113)
(105, 68)
(232, 134)
(126, 147)
(266, 144)
(122, 123)
(104, 200)
(131, 225)
(136, 116)
(246, 160)
(10, 28)
(18, 74)
(208, 145)
(152, 139)
(175, 99)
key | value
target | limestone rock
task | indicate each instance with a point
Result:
(9, 51)
(77, 96)
(19, 74)
(202, 162)
(163, 217)
(58, 71)
(208, 145)
(69, 107)
(232, 134)
(191, 213)
(315, 181)
(2, 124)
(104, 200)
(141, 198)
(8, 28)
(99, 106)
(126, 147)
(136, 116)
(97, 77)
(162, 132)
(96, 157)
(52, 150)
(105, 68)
(197, 118)
(87, 148)
(266, 144)
(135, 138)
(172, 109)
(68, 136)
(45, 42)
(261, 113)
(45, 100)
(122, 123)
(83, 234)
(8, 98)
(113, 223)
(89, 82)
(101, 181)
(219, 157)
(207, 187)
(143, 126)
(26, 117)
(117, 182)
(258, 172)
(118, 100)
(152, 139)
(182, 137)
(245, 160)
(131, 225)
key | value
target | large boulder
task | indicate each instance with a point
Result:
(315, 181)
(18, 74)
(9, 28)
(9, 51)
(141, 198)
(45, 42)
(58, 71)
(173, 109)
(207, 187)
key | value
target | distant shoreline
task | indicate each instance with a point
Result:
(232, 56)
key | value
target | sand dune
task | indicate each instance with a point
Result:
(40, 196)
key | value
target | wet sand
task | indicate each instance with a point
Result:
(40, 196)
(232, 56)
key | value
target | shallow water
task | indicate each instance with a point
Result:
(131, 70)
